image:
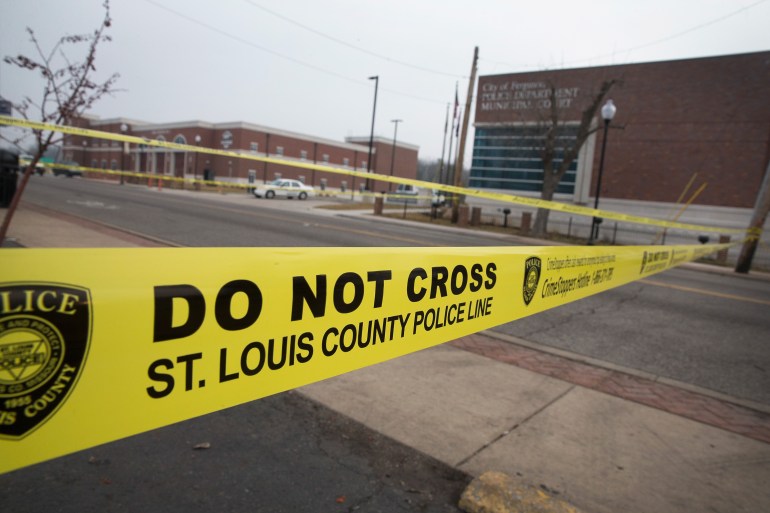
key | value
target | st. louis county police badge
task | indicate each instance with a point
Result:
(531, 278)
(45, 332)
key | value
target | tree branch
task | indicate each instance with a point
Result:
(67, 93)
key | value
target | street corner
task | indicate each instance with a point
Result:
(496, 492)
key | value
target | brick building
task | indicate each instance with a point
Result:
(239, 137)
(709, 116)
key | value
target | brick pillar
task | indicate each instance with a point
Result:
(462, 216)
(476, 216)
(526, 222)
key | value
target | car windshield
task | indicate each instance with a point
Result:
(276, 182)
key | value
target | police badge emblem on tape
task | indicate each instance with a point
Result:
(45, 332)
(531, 278)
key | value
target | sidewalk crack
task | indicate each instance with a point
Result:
(513, 428)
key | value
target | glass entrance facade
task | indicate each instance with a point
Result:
(510, 158)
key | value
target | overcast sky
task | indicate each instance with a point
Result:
(303, 65)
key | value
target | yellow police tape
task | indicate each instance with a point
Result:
(504, 198)
(101, 344)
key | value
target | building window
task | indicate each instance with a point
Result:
(94, 163)
(104, 163)
(254, 147)
(114, 164)
(346, 162)
(180, 139)
(363, 164)
(510, 158)
(326, 158)
(279, 150)
(303, 155)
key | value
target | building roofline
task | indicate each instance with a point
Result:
(287, 133)
(147, 127)
(356, 143)
(629, 64)
(364, 140)
(97, 121)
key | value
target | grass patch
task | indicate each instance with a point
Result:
(355, 205)
(423, 216)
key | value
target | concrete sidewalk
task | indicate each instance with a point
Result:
(604, 439)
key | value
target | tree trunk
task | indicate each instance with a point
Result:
(550, 182)
(552, 124)
(17, 198)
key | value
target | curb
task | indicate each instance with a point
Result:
(495, 492)
(100, 226)
(601, 364)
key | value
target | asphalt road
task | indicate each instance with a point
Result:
(213, 220)
(707, 330)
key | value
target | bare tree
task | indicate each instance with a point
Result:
(69, 91)
(557, 158)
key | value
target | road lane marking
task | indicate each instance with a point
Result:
(707, 292)
(243, 211)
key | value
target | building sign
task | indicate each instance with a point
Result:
(227, 139)
(519, 96)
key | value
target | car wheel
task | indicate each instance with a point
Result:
(270, 194)
(302, 195)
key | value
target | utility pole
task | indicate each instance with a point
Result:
(393, 153)
(443, 148)
(376, 79)
(461, 142)
(761, 209)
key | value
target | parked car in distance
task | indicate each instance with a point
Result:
(404, 193)
(24, 161)
(438, 199)
(284, 187)
(69, 173)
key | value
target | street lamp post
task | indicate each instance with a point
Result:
(376, 79)
(196, 186)
(123, 130)
(393, 154)
(608, 112)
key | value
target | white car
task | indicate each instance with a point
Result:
(284, 187)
